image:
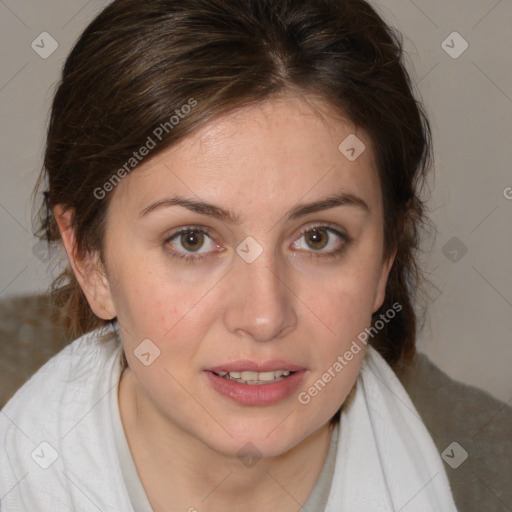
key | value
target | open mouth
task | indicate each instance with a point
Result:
(256, 378)
(256, 387)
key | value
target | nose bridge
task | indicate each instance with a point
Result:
(261, 304)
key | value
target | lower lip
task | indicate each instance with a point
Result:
(256, 394)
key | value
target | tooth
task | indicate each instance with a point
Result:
(267, 376)
(251, 377)
(248, 375)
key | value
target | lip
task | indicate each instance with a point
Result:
(261, 394)
(254, 366)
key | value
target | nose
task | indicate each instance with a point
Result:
(261, 304)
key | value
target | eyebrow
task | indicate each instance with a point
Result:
(340, 199)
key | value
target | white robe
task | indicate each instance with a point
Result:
(58, 451)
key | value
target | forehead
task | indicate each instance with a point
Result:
(282, 149)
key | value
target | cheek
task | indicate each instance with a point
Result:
(174, 315)
(343, 310)
(341, 304)
(148, 306)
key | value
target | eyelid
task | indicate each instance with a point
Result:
(183, 229)
(327, 226)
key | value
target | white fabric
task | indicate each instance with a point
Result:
(385, 459)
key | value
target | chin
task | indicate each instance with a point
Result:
(266, 437)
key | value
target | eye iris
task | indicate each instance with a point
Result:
(318, 238)
(192, 240)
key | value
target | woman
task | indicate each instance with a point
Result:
(236, 186)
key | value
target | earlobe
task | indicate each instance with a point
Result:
(88, 271)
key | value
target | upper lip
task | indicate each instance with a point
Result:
(254, 366)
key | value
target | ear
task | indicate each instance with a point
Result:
(89, 271)
(380, 294)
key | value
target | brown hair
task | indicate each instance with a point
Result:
(137, 63)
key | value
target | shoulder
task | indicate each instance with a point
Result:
(56, 425)
(72, 370)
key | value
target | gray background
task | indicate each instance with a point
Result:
(469, 102)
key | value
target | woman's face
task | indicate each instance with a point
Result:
(267, 274)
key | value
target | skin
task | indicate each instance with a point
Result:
(291, 303)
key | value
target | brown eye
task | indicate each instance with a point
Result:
(322, 240)
(192, 240)
(317, 238)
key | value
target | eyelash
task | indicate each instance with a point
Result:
(196, 257)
